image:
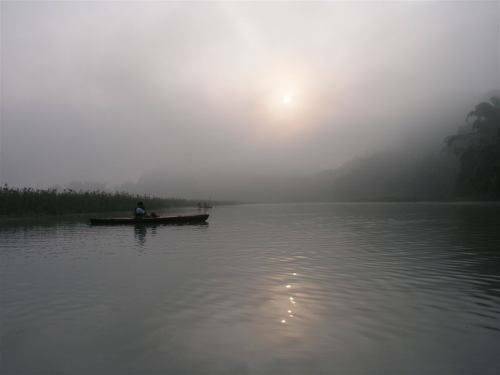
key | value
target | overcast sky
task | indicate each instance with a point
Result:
(111, 91)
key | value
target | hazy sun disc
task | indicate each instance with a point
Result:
(287, 99)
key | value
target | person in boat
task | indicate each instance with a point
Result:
(140, 211)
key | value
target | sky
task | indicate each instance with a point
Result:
(114, 91)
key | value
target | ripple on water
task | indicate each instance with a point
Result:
(335, 283)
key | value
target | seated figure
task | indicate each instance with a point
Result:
(140, 211)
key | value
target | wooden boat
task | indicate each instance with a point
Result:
(171, 220)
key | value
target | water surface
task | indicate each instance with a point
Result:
(262, 289)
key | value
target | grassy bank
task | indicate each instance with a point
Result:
(28, 201)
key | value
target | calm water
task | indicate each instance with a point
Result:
(262, 289)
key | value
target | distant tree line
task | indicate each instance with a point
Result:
(477, 147)
(15, 201)
(470, 170)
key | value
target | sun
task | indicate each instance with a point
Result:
(286, 103)
(287, 99)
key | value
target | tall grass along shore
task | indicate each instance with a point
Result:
(29, 201)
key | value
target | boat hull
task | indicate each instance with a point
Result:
(167, 220)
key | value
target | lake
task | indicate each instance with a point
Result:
(262, 289)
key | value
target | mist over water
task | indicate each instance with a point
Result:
(209, 96)
(104, 104)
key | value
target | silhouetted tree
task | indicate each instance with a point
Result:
(477, 146)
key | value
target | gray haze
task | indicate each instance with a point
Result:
(202, 95)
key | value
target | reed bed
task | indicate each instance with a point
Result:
(29, 201)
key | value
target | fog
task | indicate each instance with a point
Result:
(208, 98)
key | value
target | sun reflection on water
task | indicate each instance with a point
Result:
(291, 302)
